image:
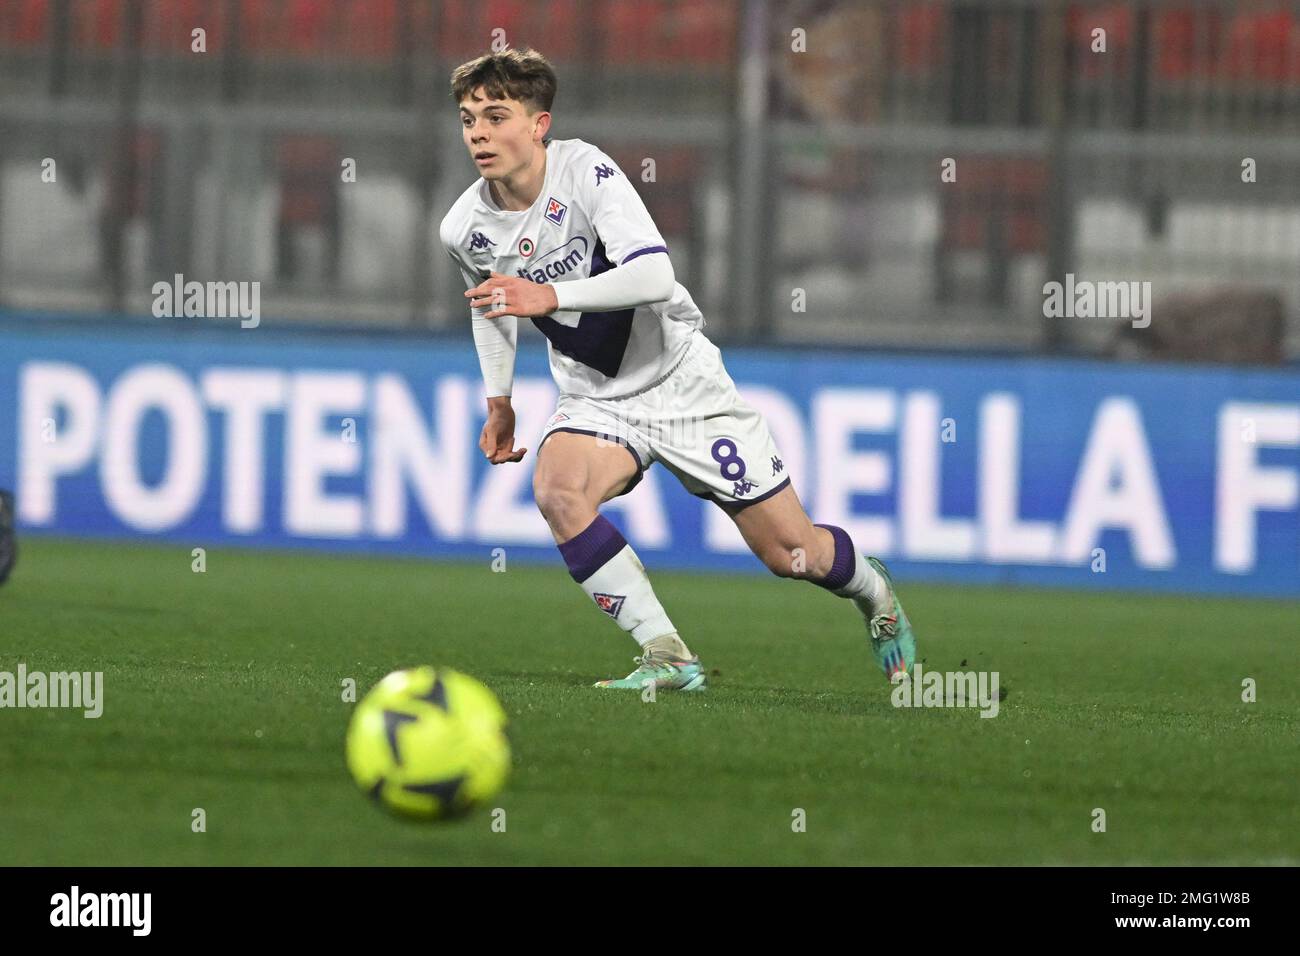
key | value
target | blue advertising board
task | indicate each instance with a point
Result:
(1013, 470)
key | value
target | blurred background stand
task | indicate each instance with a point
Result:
(791, 152)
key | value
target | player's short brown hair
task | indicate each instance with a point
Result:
(523, 75)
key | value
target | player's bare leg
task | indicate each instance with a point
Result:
(783, 537)
(575, 474)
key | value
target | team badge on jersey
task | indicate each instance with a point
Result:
(526, 247)
(555, 211)
(611, 604)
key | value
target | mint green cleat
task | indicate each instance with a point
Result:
(664, 674)
(893, 644)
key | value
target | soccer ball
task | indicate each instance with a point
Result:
(429, 743)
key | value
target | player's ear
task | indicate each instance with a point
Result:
(541, 126)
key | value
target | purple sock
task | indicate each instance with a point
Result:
(587, 551)
(845, 563)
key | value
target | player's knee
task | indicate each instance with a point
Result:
(559, 504)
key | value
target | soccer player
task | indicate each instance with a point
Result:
(555, 232)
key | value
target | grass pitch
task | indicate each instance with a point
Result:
(222, 691)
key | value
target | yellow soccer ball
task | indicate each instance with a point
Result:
(429, 743)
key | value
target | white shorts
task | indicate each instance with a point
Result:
(695, 422)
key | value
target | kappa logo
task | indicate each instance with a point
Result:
(604, 171)
(478, 242)
(555, 211)
(611, 604)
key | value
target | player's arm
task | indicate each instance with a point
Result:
(495, 340)
(644, 279)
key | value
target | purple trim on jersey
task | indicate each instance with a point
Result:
(731, 506)
(592, 548)
(643, 252)
(845, 562)
(600, 338)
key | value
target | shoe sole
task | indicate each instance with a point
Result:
(695, 684)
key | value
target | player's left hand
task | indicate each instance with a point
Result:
(511, 295)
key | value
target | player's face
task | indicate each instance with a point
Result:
(499, 134)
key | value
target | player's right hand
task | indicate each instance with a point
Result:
(498, 438)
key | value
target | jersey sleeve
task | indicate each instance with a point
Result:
(622, 222)
(643, 280)
(495, 340)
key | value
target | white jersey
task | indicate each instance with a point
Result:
(586, 220)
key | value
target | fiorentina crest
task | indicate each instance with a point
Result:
(555, 211)
(611, 604)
